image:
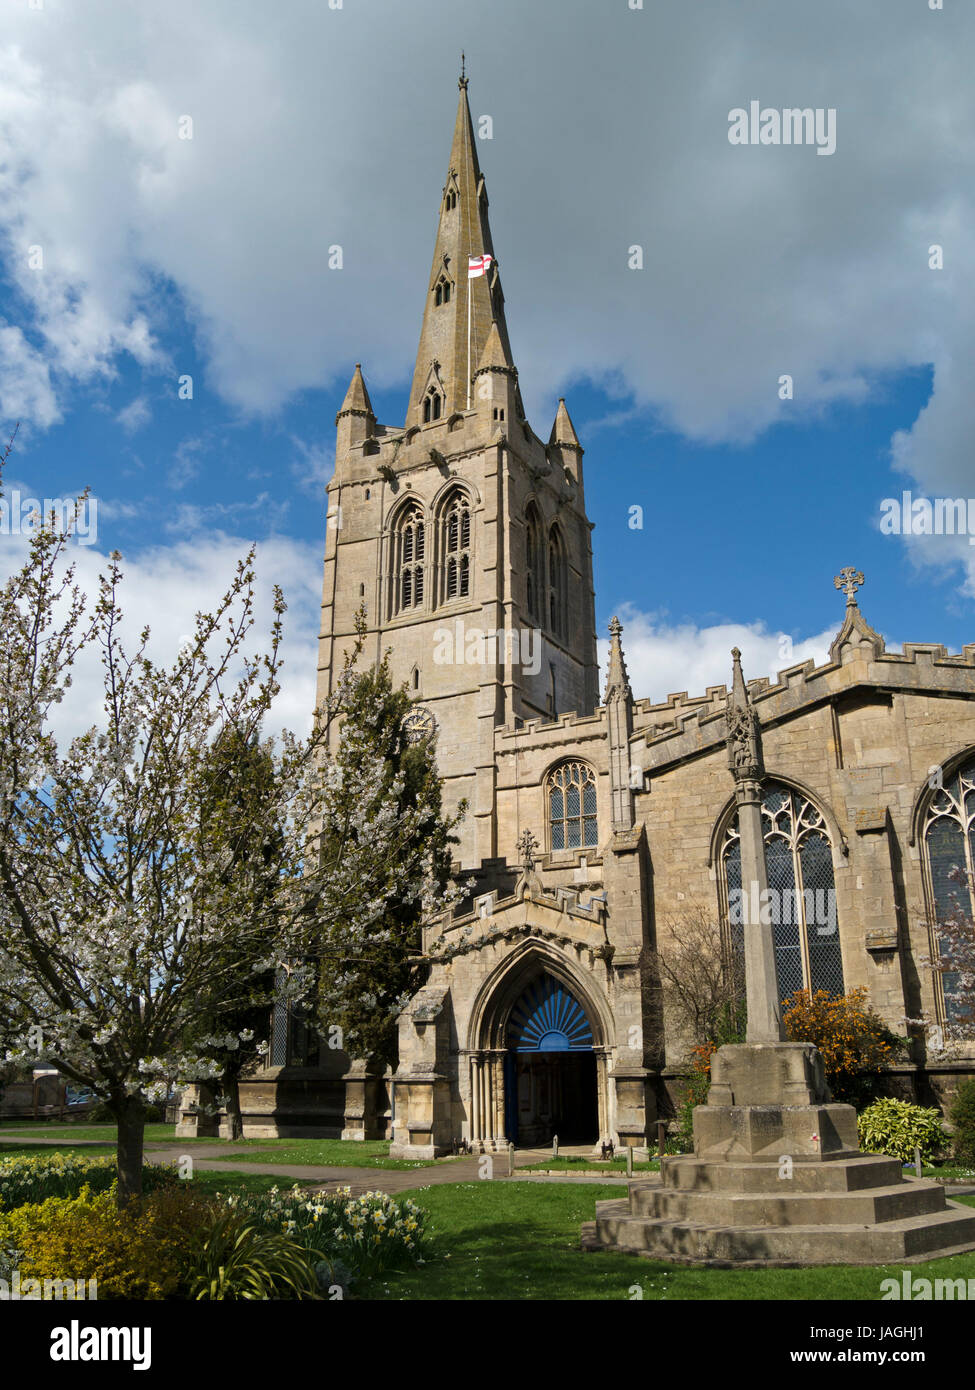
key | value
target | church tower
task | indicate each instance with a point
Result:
(461, 533)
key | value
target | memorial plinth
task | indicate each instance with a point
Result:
(777, 1178)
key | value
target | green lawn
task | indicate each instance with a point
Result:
(512, 1240)
(574, 1164)
(32, 1150)
(154, 1133)
(334, 1153)
(330, 1153)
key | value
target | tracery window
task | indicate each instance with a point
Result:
(948, 837)
(408, 544)
(571, 790)
(802, 893)
(432, 405)
(442, 292)
(456, 547)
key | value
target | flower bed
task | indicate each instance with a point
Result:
(59, 1214)
(34, 1178)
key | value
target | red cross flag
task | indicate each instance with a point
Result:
(478, 265)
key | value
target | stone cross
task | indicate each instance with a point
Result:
(747, 768)
(849, 580)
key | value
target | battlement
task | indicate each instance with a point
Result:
(511, 738)
(681, 725)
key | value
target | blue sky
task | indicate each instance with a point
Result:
(165, 257)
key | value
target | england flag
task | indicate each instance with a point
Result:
(477, 265)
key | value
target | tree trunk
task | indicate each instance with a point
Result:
(131, 1116)
(231, 1089)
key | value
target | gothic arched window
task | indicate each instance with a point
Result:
(407, 552)
(948, 837)
(455, 541)
(802, 892)
(442, 293)
(571, 792)
(533, 564)
(432, 405)
(557, 583)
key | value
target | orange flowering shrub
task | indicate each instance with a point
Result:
(852, 1039)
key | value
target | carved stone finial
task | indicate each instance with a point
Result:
(744, 747)
(617, 681)
(527, 846)
(849, 580)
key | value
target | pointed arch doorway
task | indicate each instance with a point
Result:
(550, 1072)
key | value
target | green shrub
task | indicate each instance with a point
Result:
(895, 1127)
(963, 1118)
(33, 1178)
(235, 1257)
(140, 1253)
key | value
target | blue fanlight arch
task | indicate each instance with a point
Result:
(547, 1018)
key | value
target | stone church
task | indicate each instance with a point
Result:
(598, 822)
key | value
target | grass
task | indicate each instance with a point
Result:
(575, 1164)
(512, 1240)
(154, 1133)
(330, 1153)
(32, 1150)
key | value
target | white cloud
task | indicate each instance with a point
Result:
(610, 129)
(163, 588)
(135, 416)
(26, 393)
(664, 658)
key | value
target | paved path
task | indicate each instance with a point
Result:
(219, 1157)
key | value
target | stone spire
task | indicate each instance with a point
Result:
(356, 421)
(563, 431)
(357, 400)
(462, 232)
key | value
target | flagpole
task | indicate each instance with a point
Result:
(468, 334)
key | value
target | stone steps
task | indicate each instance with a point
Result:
(691, 1174)
(950, 1231)
(858, 1208)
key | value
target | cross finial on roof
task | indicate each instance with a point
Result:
(849, 580)
(463, 79)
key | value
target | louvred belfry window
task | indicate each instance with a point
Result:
(533, 565)
(558, 584)
(407, 555)
(456, 547)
